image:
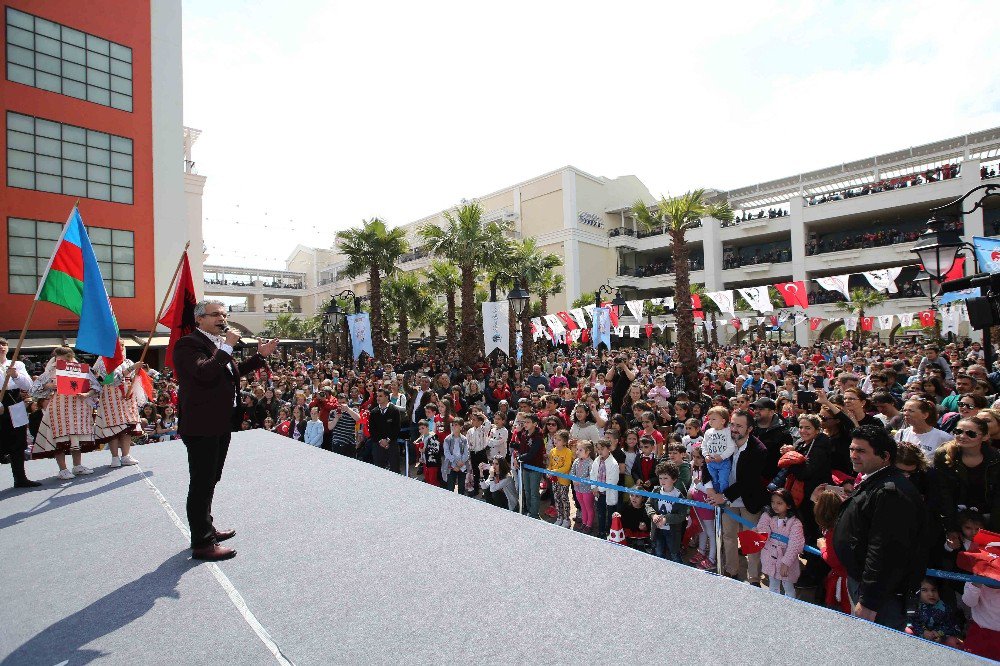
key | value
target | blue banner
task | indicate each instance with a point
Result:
(953, 296)
(602, 327)
(987, 253)
(361, 334)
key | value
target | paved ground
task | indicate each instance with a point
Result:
(343, 563)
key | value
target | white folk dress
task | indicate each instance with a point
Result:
(117, 410)
(68, 420)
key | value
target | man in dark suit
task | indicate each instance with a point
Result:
(745, 496)
(383, 426)
(208, 380)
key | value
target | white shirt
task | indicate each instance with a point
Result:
(218, 341)
(416, 404)
(23, 379)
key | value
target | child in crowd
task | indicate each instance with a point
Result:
(648, 421)
(456, 456)
(430, 453)
(644, 467)
(561, 460)
(667, 518)
(780, 560)
(659, 394)
(970, 521)
(635, 522)
(692, 434)
(500, 484)
(983, 631)
(314, 430)
(605, 470)
(631, 453)
(826, 509)
(701, 483)
(582, 491)
(933, 619)
(718, 446)
(677, 454)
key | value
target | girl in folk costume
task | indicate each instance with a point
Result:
(68, 422)
(118, 410)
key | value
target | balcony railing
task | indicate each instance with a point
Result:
(660, 268)
(269, 285)
(413, 256)
(769, 214)
(866, 239)
(621, 231)
(946, 172)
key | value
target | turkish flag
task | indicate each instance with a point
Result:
(696, 301)
(867, 323)
(649, 330)
(585, 336)
(814, 323)
(774, 320)
(982, 558)
(752, 542)
(957, 270)
(926, 318)
(567, 321)
(794, 293)
(737, 324)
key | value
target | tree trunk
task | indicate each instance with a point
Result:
(470, 349)
(404, 337)
(450, 333)
(375, 298)
(432, 331)
(512, 332)
(685, 316)
(527, 340)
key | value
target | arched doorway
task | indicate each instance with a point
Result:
(829, 331)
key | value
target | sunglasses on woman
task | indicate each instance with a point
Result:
(965, 405)
(969, 433)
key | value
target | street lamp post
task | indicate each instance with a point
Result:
(939, 248)
(517, 298)
(617, 303)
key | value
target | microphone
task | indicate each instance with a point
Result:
(991, 280)
(226, 328)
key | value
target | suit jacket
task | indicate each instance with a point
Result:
(411, 401)
(207, 380)
(750, 484)
(384, 426)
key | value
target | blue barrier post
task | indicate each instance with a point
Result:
(718, 541)
(406, 447)
(520, 488)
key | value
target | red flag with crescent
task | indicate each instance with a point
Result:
(926, 318)
(737, 324)
(567, 321)
(814, 323)
(794, 293)
(613, 311)
(752, 542)
(867, 323)
(649, 330)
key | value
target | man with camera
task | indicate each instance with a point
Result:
(621, 375)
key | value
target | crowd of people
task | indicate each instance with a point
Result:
(839, 241)
(736, 257)
(883, 457)
(744, 216)
(943, 172)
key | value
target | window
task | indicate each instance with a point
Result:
(30, 245)
(51, 157)
(57, 58)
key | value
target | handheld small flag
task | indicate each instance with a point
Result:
(752, 542)
(72, 378)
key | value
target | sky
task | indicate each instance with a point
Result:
(317, 114)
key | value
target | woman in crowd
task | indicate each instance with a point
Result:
(992, 418)
(166, 425)
(67, 424)
(920, 417)
(967, 474)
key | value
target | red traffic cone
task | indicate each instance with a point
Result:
(617, 534)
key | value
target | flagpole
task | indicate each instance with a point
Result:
(159, 314)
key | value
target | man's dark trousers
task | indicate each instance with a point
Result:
(386, 457)
(206, 458)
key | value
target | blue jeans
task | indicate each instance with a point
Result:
(531, 492)
(720, 474)
(667, 543)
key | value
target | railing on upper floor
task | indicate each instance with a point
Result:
(944, 172)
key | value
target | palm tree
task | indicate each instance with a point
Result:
(433, 317)
(550, 284)
(407, 298)
(677, 215)
(284, 326)
(862, 300)
(469, 242)
(443, 280)
(373, 249)
(530, 264)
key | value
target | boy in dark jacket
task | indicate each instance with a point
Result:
(667, 518)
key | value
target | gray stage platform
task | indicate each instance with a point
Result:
(344, 563)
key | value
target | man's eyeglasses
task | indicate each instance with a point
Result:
(216, 314)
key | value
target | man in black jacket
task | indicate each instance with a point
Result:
(745, 496)
(881, 531)
(383, 425)
(773, 433)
